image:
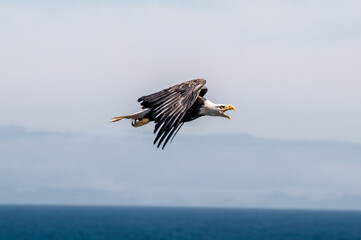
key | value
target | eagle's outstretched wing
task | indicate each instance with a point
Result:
(170, 105)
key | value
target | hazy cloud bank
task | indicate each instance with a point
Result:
(211, 170)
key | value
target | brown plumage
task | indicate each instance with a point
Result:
(172, 107)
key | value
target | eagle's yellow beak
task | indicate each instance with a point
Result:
(229, 107)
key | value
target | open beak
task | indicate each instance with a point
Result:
(229, 107)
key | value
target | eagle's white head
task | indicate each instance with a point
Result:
(212, 109)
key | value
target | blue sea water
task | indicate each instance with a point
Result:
(87, 223)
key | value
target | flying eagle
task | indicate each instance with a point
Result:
(172, 107)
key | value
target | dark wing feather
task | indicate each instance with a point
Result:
(169, 107)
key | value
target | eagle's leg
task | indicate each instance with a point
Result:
(140, 122)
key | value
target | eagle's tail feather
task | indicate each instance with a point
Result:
(115, 119)
(135, 116)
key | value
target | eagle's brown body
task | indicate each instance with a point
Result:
(172, 107)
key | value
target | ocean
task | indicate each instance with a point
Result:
(162, 223)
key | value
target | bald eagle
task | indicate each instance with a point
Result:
(172, 107)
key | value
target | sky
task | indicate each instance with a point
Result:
(291, 69)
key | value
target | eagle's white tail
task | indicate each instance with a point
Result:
(115, 119)
(135, 116)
